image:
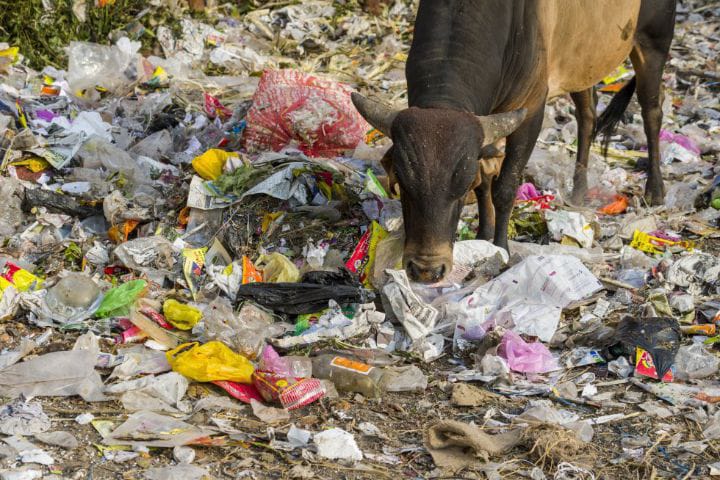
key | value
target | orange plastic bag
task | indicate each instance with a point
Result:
(617, 207)
(210, 362)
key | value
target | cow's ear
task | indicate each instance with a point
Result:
(378, 115)
(387, 163)
(500, 125)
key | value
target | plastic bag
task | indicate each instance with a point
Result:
(210, 164)
(277, 268)
(618, 206)
(362, 260)
(526, 357)
(291, 107)
(659, 336)
(209, 362)
(117, 300)
(111, 67)
(310, 296)
(182, 316)
(694, 362)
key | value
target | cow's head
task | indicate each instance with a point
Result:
(434, 161)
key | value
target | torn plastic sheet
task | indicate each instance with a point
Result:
(163, 393)
(56, 374)
(282, 185)
(154, 430)
(532, 294)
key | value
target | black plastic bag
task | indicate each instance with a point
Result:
(309, 296)
(660, 336)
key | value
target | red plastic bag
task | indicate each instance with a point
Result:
(313, 114)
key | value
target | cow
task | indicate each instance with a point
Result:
(480, 72)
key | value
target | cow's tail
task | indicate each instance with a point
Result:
(608, 121)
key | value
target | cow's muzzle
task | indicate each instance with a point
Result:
(424, 271)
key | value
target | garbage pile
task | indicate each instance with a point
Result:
(201, 275)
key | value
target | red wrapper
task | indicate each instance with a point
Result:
(240, 391)
(157, 317)
(291, 392)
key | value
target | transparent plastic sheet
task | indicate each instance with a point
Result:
(58, 374)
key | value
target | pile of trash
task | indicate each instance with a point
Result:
(201, 275)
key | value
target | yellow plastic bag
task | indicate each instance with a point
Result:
(277, 268)
(210, 362)
(182, 316)
(210, 164)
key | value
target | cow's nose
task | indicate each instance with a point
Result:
(425, 274)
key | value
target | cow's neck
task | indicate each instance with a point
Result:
(472, 55)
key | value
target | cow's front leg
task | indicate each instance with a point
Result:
(520, 145)
(486, 211)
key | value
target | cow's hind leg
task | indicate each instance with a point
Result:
(520, 145)
(586, 116)
(653, 38)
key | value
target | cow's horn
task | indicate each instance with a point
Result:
(378, 115)
(500, 125)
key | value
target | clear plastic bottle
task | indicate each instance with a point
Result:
(348, 375)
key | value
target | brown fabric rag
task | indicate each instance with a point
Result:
(455, 445)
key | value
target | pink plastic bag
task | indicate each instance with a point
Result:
(527, 191)
(307, 112)
(526, 357)
(682, 140)
(271, 361)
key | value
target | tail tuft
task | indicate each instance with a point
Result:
(608, 121)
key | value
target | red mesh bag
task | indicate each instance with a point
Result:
(310, 113)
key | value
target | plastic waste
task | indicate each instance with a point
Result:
(221, 323)
(210, 164)
(562, 224)
(269, 414)
(695, 362)
(154, 430)
(315, 114)
(277, 268)
(307, 296)
(403, 379)
(532, 294)
(114, 67)
(291, 366)
(660, 337)
(117, 301)
(74, 298)
(163, 393)
(61, 439)
(290, 392)
(63, 373)
(337, 444)
(349, 375)
(209, 362)
(183, 455)
(633, 277)
(23, 418)
(526, 357)
(182, 316)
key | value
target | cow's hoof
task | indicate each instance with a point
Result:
(577, 198)
(486, 233)
(654, 193)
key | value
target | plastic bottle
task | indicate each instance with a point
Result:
(348, 375)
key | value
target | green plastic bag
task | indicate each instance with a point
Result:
(117, 301)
